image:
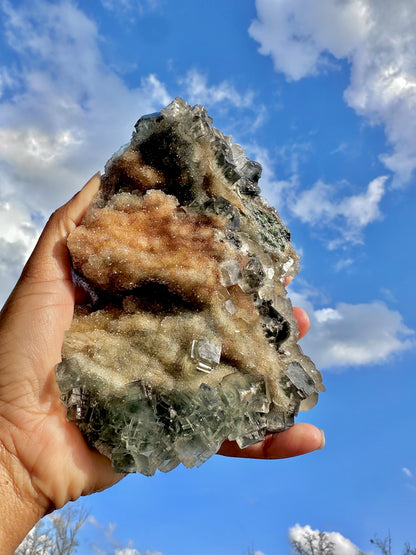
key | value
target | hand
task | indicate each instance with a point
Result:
(44, 459)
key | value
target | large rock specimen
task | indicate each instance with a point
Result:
(188, 338)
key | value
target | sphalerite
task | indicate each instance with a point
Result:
(188, 337)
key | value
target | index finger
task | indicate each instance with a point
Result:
(299, 439)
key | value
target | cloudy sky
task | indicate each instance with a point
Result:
(323, 94)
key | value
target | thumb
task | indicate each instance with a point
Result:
(49, 259)
(46, 281)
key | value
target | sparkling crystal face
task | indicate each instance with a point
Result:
(188, 338)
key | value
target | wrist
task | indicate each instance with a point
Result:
(20, 503)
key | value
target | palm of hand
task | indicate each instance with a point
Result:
(53, 454)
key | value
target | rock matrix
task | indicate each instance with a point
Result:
(187, 338)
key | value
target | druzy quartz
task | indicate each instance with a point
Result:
(187, 338)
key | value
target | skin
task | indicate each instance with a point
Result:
(44, 460)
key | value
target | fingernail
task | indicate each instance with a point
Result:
(322, 439)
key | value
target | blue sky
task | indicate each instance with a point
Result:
(323, 94)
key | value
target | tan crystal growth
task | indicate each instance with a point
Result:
(135, 239)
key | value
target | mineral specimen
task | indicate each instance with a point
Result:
(188, 338)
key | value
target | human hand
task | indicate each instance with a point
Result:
(44, 459)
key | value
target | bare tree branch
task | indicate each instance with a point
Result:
(313, 544)
(56, 534)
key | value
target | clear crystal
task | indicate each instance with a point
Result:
(230, 273)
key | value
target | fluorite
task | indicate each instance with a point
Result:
(187, 337)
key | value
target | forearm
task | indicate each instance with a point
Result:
(21, 507)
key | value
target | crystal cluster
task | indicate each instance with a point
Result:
(187, 338)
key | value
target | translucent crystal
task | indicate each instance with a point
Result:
(207, 355)
(230, 306)
(303, 383)
(188, 338)
(230, 273)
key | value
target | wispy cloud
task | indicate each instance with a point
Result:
(343, 264)
(275, 190)
(388, 295)
(64, 114)
(340, 148)
(70, 111)
(109, 541)
(348, 215)
(375, 36)
(408, 473)
(130, 6)
(335, 341)
(338, 215)
(199, 92)
(224, 97)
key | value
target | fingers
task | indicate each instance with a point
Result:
(46, 278)
(302, 319)
(77, 206)
(300, 439)
(300, 315)
(49, 259)
(66, 218)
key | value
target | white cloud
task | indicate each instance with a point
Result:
(225, 97)
(408, 473)
(299, 34)
(66, 112)
(342, 545)
(8, 79)
(376, 37)
(70, 111)
(383, 80)
(139, 6)
(348, 335)
(19, 230)
(349, 215)
(341, 217)
(343, 264)
(64, 115)
(199, 92)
